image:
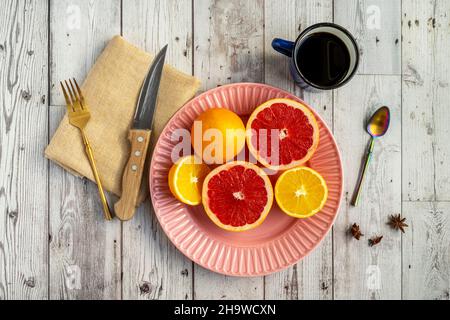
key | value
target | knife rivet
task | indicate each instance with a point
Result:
(140, 139)
(137, 153)
(134, 167)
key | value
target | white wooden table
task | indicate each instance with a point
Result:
(54, 242)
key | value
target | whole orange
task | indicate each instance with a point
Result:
(218, 135)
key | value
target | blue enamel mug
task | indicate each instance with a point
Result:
(325, 56)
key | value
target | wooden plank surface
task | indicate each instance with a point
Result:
(376, 26)
(54, 245)
(426, 253)
(425, 87)
(425, 93)
(228, 37)
(79, 30)
(23, 136)
(152, 267)
(360, 271)
(312, 277)
(85, 250)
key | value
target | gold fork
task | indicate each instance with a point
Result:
(79, 115)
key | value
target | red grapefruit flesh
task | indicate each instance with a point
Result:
(237, 196)
(282, 134)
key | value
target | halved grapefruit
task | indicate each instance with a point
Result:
(282, 134)
(237, 196)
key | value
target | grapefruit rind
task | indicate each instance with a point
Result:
(269, 189)
(295, 104)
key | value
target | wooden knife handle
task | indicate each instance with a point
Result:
(132, 174)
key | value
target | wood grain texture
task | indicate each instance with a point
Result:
(23, 136)
(376, 26)
(426, 253)
(133, 174)
(84, 247)
(360, 271)
(54, 242)
(311, 278)
(85, 255)
(152, 267)
(426, 92)
(228, 42)
(79, 30)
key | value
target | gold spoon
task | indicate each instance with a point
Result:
(376, 127)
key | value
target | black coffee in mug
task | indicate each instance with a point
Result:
(323, 59)
(324, 56)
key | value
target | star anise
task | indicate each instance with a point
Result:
(375, 240)
(356, 232)
(397, 222)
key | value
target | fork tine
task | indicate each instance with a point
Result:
(79, 91)
(72, 96)
(72, 88)
(68, 101)
(70, 91)
(75, 93)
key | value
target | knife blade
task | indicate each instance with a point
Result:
(139, 136)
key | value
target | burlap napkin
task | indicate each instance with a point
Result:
(111, 90)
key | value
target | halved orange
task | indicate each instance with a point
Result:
(186, 179)
(282, 134)
(301, 192)
(237, 196)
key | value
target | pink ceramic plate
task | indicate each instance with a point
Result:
(281, 240)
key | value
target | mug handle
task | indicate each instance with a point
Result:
(283, 46)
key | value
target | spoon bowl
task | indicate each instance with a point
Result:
(378, 124)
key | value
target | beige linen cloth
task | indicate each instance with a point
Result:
(111, 90)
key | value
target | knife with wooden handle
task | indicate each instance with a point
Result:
(139, 137)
